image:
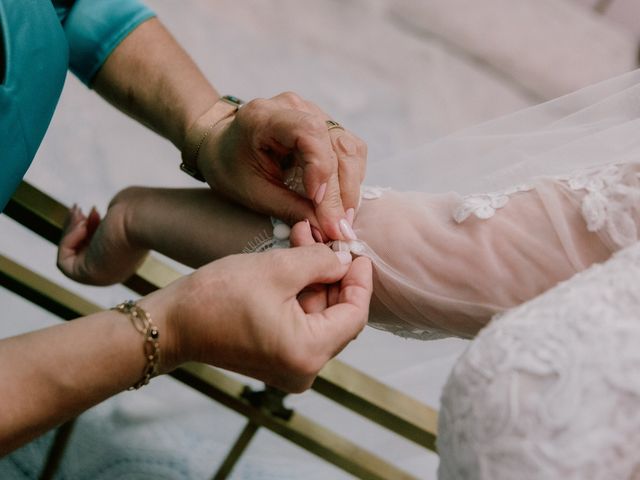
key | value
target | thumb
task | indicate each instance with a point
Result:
(336, 326)
(303, 266)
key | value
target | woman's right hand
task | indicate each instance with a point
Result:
(242, 313)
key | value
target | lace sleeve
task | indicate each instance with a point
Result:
(445, 264)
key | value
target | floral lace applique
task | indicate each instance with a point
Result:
(609, 202)
(484, 205)
(369, 192)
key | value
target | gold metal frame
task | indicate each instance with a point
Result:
(349, 387)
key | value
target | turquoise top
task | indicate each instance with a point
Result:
(41, 40)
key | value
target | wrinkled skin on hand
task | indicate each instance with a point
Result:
(255, 156)
(277, 316)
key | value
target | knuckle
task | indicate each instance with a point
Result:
(292, 99)
(312, 107)
(312, 124)
(253, 106)
(324, 166)
(332, 199)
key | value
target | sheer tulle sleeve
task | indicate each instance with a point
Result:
(445, 264)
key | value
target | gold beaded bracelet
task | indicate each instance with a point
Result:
(142, 322)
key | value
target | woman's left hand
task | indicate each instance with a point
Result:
(256, 155)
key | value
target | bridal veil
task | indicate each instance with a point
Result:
(518, 205)
(521, 226)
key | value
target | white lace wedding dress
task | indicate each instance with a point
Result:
(549, 389)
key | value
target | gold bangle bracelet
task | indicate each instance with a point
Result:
(142, 322)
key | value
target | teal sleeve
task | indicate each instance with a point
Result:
(94, 28)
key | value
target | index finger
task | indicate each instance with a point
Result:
(341, 323)
(352, 160)
(306, 135)
(299, 267)
(329, 208)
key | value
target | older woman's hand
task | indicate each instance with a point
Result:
(243, 313)
(278, 156)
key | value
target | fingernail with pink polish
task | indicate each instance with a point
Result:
(346, 229)
(344, 257)
(322, 189)
(351, 213)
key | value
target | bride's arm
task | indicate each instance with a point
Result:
(441, 263)
(192, 226)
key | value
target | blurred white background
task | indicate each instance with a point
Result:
(396, 72)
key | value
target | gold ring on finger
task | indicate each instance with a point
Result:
(331, 124)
